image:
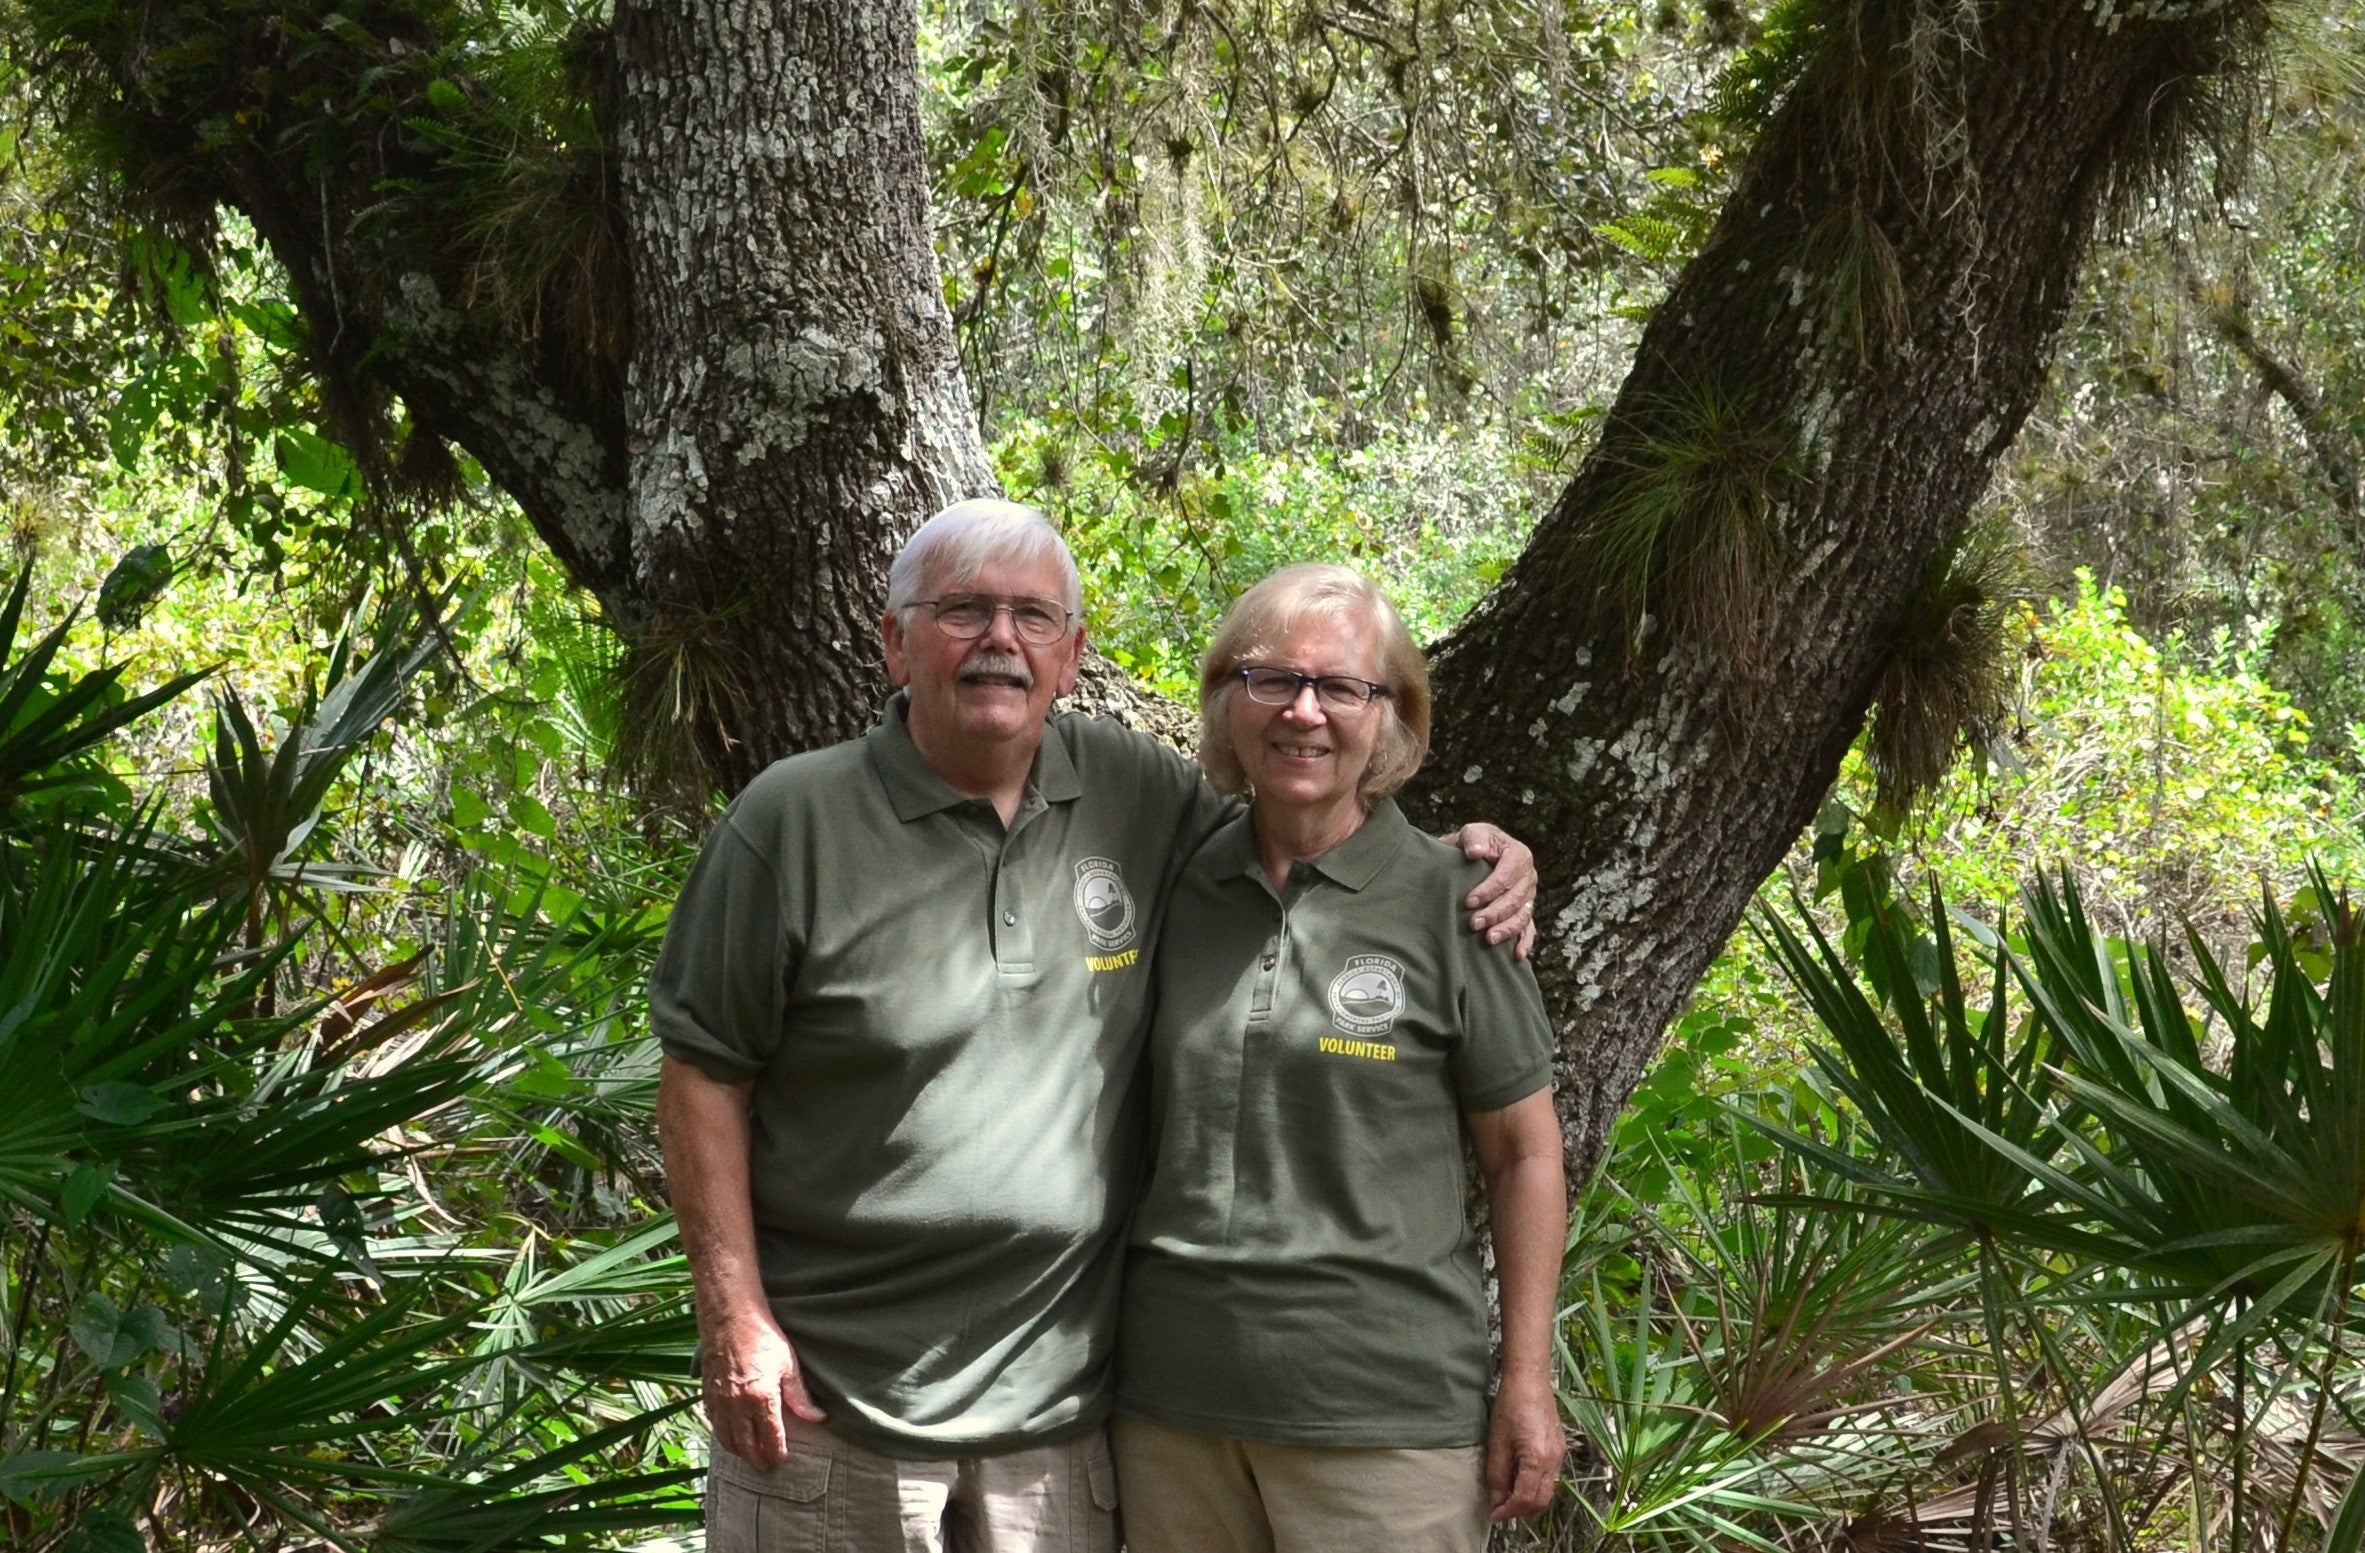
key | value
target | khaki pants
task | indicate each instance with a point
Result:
(830, 1496)
(1188, 1493)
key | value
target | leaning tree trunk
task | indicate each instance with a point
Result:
(1660, 693)
(796, 405)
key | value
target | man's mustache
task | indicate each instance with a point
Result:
(995, 665)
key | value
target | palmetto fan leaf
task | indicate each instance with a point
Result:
(267, 802)
(2245, 1183)
(108, 967)
(1797, 1299)
(45, 733)
(1662, 1470)
(129, 1068)
(536, 1502)
(1937, 1086)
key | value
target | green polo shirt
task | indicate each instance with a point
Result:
(943, 1019)
(1301, 1269)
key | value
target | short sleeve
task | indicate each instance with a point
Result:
(1507, 1044)
(1169, 791)
(1200, 810)
(717, 996)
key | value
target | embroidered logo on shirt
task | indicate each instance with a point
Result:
(1104, 905)
(1366, 997)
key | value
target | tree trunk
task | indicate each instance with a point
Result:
(796, 406)
(1663, 758)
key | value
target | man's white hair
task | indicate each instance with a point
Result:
(967, 537)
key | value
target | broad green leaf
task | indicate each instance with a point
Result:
(29, 1477)
(118, 1104)
(82, 1192)
(315, 463)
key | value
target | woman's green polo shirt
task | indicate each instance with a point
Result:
(1300, 1268)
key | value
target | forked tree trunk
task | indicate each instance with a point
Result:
(795, 405)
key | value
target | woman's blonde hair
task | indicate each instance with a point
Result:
(1266, 614)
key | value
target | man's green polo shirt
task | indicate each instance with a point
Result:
(1300, 1269)
(942, 1020)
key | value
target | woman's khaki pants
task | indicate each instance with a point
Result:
(1190, 1493)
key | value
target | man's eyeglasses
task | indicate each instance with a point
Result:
(967, 616)
(1340, 694)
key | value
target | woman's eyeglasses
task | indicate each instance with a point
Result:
(1342, 694)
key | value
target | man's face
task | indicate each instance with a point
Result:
(992, 688)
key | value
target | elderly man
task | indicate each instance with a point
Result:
(902, 1002)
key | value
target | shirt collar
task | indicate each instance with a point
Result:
(917, 790)
(1352, 864)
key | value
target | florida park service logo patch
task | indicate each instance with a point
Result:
(1103, 904)
(1366, 997)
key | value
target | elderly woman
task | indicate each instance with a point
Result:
(1302, 1349)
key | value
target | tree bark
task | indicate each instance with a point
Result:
(1662, 785)
(796, 405)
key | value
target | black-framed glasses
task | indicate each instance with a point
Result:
(1340, 694)
(967, 616)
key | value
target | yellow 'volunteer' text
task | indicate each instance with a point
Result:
(1377, 1051)
(1111, 962)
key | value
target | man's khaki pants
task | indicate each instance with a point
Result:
(830, 1496)
(1190, 1493)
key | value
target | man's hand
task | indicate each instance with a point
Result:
(1504, 904)
(749, 1375)
(748, 1372)
(1524, 1446)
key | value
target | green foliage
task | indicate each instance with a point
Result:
(2171, 774)
(1434, 515)
(2155, 1221)
(51, 725)
(261, 1200)
(2243, 1177)
(1177, 238)
(265, 805)
(1935, 1079)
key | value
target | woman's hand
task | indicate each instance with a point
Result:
(1524, 1446)
(1503, 906)
(1518, 1149)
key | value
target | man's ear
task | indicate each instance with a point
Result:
(899, 669)
(1075, 664)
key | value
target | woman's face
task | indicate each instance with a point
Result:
(1304, 753)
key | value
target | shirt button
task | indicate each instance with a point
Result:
(1268, 962)
(1009, 919)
